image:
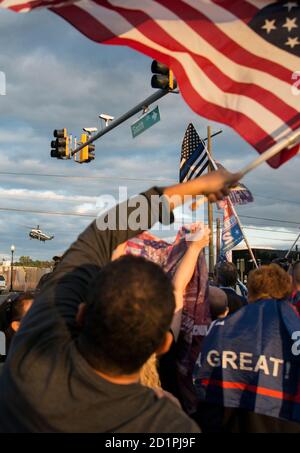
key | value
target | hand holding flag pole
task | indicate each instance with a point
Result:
(196, 204)
(237, 218)
(289, 142)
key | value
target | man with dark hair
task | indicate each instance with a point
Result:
(226, 274)
(113, 321)
(74, 365)
(226, 277)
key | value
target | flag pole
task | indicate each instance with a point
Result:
(210, 208)
(237, 217)
(218, 236)
(289, 142)
(244, 236)
(291, 249)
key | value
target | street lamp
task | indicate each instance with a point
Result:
(12, 249)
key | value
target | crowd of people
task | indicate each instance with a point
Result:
(95, 348)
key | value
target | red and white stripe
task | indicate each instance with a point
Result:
(226, 71)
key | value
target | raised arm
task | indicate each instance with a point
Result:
(58, 301)
(198, 240)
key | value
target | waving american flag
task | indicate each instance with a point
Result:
(235, 61)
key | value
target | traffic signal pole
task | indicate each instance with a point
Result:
(210, 214)
(138, 108)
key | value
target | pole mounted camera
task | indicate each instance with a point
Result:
(107, 118)
(90, 130)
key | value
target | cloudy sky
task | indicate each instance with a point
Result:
(57, 78)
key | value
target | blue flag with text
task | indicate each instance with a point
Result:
(251, 361)
(232, 234)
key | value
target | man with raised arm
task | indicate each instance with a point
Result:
(74, 364)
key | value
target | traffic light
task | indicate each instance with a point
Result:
(60, 146)
(86, 154)
(163, 77)
(91, 152)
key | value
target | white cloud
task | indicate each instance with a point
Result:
(58, 78)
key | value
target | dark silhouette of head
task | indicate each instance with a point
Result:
(296, 275)
(218, 303)
(226, 274)
(235, 301)
(12, 311)
(128, 314)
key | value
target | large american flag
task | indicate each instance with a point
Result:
(235, 61)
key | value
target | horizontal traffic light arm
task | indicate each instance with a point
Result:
(138, 108)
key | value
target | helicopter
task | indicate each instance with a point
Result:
(36, 233)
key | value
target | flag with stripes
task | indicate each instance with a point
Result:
(240, 195)
(194, 158)
(231, 234)
(236, 62)
(195, 313)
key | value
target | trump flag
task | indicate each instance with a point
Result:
(232, 234)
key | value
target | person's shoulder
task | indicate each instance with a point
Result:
(174, 419)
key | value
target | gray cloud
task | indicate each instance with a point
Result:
(58, 78)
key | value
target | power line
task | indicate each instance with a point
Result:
(93, 216)
(122, 178)
(274, 239)
(267, 219)
(48, 212)
(270, 220)
(116, 177)
(269, 230)
(277, 199)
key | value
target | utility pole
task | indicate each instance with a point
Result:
(12, 249)
(210, 210)
(214, 167)
(292, 247)
(218, 236)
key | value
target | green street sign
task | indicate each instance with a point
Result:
(145, 122)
